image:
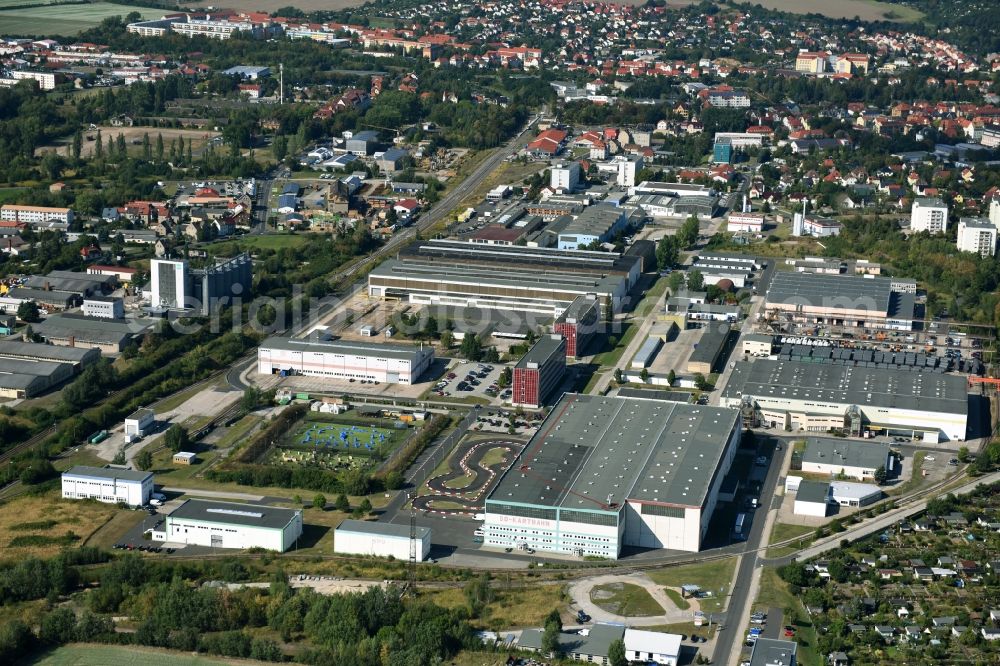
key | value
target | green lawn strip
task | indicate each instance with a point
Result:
(774, 593)
(675, 597)
(715, 577)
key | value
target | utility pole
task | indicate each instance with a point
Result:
(411, 573)
(281, 83)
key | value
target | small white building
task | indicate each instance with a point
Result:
(847, 493)
(107, 485)
(103, 307)
(652, 646)
(844, 457)
(231, 525)
(977, 234)
(139, 422)
(565, 177)
(745, 222)
(811, 499)
(359, 537)
(929, 214)
(185, 458)
(757, 344)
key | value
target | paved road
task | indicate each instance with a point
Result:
(633, 346)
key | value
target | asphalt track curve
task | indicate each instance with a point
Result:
(466, 460)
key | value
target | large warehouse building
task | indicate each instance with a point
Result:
(606, 472)
(230, 525)
(840, 300)
(817, 397)
(105, 484)
(394, 364)
(26, 379)
(521, 279)
(361, 537)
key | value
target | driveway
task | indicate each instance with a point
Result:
(580, 590)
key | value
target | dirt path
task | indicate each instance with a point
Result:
(580, 593)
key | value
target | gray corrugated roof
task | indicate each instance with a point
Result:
(44, 352)
(877, 387)
(593, 447)
(831, 291)
(381, 529)
(231, 513)
(832, 451)
(399, 352)
(108, 473)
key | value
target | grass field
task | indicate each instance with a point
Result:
(784, 531)
(198, 138)
(517, 607)
(65, 19)
(625, 599)
(105, 655)
(774, 593)
(271, 5)
(358, 439)
(866, 10)
(715, 576)
(42, 526)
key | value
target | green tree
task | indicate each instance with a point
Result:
(279, 147)
(251, 399)
(342, 503)
(144, 460)
(619, 376)
(687, 235)
(176, 438)
(28, 312)
(319, 502)
(644, 375)
(963, 454)
(667, 253)
(550, 637)
(671, 377)
(472, 347)
(675, 282)
(880, 475)
(616, 653)
(701, 383)
(365, 506)
(696, 281)
(447, 339)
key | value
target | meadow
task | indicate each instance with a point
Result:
(866, 10)
(64, 19)
(102, 655)
(42, 525)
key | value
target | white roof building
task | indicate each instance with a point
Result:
(847, 493)
(652, 646)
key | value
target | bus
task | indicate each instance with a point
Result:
(738, 527)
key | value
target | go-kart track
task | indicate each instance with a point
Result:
(443, 496)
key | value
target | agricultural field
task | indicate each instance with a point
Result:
(271, 5)
(41, 526)
(866, 10)
(49, 19)
(102, 655)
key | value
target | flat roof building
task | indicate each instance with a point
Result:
(20, 378)
(362, 537)
(711, 350)
(840, 300)
(578, 324)
(835, 456)
(812, 499)
(337, 359)
(978, 235)
(606, 472)
(78, 357)
(818, 397)
(539, 372)
(231, 525)
(110, 336)
(772, 652)
(109, 485)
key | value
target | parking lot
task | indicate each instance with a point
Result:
(478, 380)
